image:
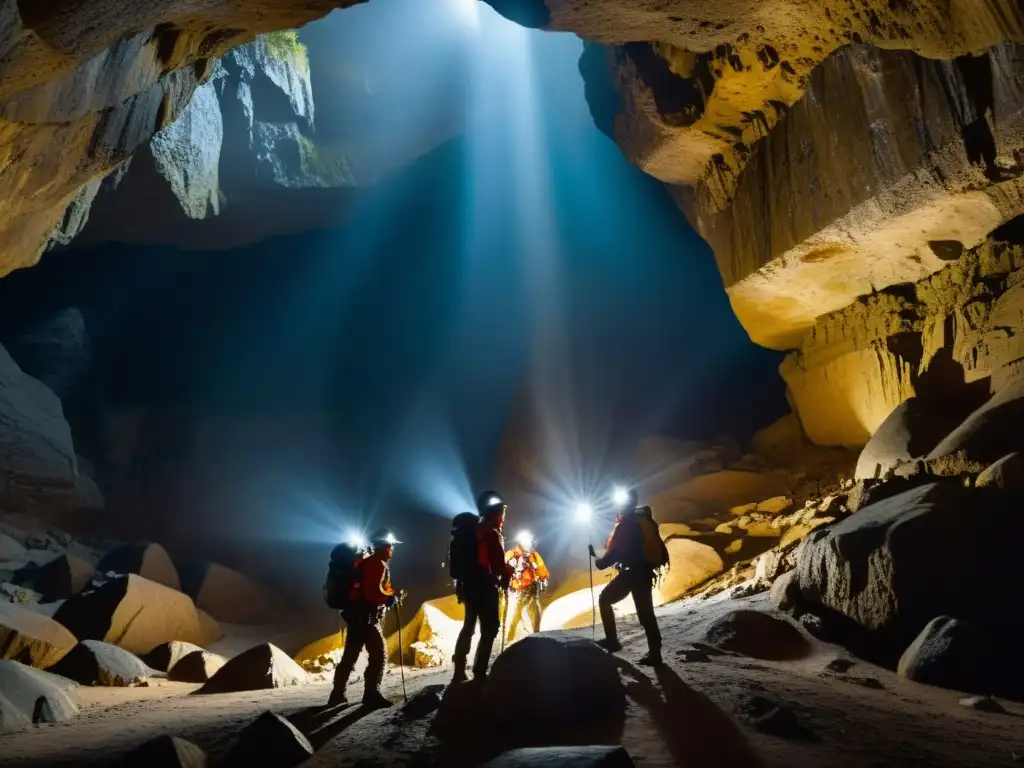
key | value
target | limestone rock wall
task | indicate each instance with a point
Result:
(246, 136)
(952, 337)
(97, 79)
(827, 151)
(38, 468)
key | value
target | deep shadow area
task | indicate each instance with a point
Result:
(695, 730)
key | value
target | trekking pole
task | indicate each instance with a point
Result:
(504, 621)
(593, 601)
(401, 652)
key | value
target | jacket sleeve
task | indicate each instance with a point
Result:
(376, 584)
(618, 545)
(542, 568)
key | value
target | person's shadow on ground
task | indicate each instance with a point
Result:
(695, 730)
(322, 724)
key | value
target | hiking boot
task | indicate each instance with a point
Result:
(610, 644)
(376, 700)
(652, 659)
(338, 698)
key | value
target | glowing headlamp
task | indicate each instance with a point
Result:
(584, 512)
(357, 539)
(620, 496)
(525, 539)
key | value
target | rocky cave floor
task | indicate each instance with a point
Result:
(702, 709)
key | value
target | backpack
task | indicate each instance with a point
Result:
(463, 558)
(342, 575)
(655, 551)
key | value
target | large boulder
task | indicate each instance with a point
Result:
(30, 696)
(954, 654)
(690, 563)
(572, 682)
(197, 667)
(165, 656)
(757, 634)
(322, 655)
(228, 595)
(594, 756)
(133, 613)
(429, 638)
(720, 491)
(269, 740)
(165, 752)
(208, 627)
(59, 578)
(39, 467)
(150, 561)
(31, 638)
(260, 668)
(909, 432)
(94, 663)
(1006, 473)
(991, 432)
(932, 550)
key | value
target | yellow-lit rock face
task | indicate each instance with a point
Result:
(842, 401)
(952, 337)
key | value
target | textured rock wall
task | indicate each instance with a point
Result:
(38, 468)
(97, 79)
(827, 151)
(952, 337)
(245, 137)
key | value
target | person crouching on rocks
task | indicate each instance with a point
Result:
(371, 596)
(638, 553)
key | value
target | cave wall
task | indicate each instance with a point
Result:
(827, 149)
(83, 85)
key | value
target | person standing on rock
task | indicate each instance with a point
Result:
(529, 579)
(481, 588)
(371, 596)
(628, 551)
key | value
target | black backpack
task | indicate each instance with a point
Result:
(463, 561)
(342, 575)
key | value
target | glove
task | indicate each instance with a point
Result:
(590, 548)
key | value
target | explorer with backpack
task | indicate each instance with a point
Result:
(359, 585)
(635, 547)
(476, 563)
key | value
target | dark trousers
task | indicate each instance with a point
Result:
(638, 582)
(364, 631)
(481, 601)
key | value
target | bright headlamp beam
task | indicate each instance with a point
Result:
(390, 539)
(584, 512)
(525, 538)
(620, 495)
(494, 501)
(357, 539)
